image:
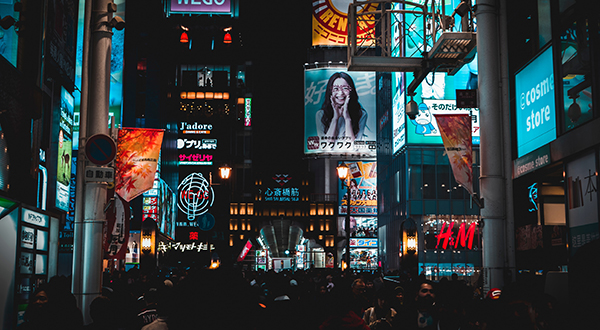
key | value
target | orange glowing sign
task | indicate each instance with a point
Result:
(330, 22)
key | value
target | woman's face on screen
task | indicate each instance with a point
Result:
(340, 91)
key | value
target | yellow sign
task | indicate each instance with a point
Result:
(330, 23)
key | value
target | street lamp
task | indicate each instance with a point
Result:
(343, 172)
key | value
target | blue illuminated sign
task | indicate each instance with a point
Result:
(536, 109)
(363, 242)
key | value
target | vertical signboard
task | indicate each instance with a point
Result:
(536, 109)
(582, 190)
(362, 189)
(339, 112)
(65, 150)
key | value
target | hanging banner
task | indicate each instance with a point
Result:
(456, 135)
(116, 231)
(245, 251)
(137, 158)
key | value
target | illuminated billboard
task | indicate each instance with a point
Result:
(424, 128)
(65, 150)
(363, 189)
(195, 145)
(201, 6)
(330, 22)
(333, 100)
(536, 109)
(437, 92)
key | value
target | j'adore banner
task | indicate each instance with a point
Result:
(137, 158)
(339, 112)
(330, 22)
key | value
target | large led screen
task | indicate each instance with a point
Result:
(330, 23)
(362, 187)
(335, 99)
(65, 150)
(536, 109)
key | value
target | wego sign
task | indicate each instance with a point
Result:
(196, 196)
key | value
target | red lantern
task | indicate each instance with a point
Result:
(227, 38)
(184, 37)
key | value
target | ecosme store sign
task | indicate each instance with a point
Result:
(536, 109)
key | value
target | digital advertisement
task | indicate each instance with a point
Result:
(65, 151)
(339, 112)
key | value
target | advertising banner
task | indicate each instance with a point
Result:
(245, 251)
(536, 109)
(335, 100)
(116, 233)
(359, 227)
(424, 128)
(330, 23)
(137, 158)
(65, 150)
(582, 191)
(363, 258)
(362, 189)
(456, 134)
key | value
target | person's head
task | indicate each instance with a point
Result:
(358, 286)
(40, 298)
(340, 87)
(399, 294)
(425, 297)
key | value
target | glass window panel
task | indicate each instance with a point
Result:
(429, 184)
(443, 182)
(414, 156)
(444, 207)
(41, 264)
(429, 156)
(42, 240)
(415, 184)
(576, 74)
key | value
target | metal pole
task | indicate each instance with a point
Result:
(89, 262)
(79, 184)
(348, 221)
(493, 180)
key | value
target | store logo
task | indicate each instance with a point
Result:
(465, 239)
(196, 196)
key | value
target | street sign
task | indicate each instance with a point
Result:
(99, 174)
(466, 98)
(100, 149)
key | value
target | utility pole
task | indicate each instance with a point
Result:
(495, 181)
(91, 197)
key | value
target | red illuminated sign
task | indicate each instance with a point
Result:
(193, 236)
(245, 251)
(464, 238)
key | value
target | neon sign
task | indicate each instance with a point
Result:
(465, 239)
(195, 128)
(200, 246)
(195, 159)
(195, 196)
(533, 196)
(210, 144)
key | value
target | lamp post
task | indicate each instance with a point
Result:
(343, 172)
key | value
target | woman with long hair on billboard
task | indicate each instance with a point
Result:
(341, 110)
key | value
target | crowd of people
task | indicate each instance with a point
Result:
(305, 299)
